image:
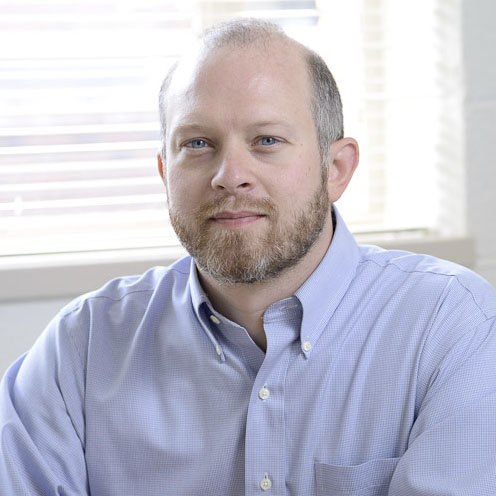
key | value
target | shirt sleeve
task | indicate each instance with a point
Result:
(42, 419)
(452, 444)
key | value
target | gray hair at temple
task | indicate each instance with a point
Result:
(326, 102)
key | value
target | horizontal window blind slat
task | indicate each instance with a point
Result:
(128, 200)
(75, 185)
(80, 147)
(277, 14)
(68, 169)
(78, 130)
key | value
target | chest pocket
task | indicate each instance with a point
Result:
(368, 479)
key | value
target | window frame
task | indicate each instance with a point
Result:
(73, 273)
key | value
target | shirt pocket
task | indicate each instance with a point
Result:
(371, 478)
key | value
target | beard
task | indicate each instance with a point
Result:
(240, 257)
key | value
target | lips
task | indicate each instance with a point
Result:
(237, 219)
(236, 215)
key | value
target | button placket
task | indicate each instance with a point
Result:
(265, 427)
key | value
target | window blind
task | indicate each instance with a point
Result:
(400, 72)
(79, 125)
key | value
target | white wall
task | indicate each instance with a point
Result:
(479, 29)
(21, 322)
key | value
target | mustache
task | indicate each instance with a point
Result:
(213, 207)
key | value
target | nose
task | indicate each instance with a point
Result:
(234, 174)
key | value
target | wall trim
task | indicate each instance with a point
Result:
(71, 274)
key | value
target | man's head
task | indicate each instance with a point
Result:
(249, 176)
(325, 101)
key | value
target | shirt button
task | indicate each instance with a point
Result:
(307, 346)
(265, 483)
(214, 319)
(264, 393)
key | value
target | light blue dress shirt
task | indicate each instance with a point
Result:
(379, 379)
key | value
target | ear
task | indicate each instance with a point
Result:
(161, 167)
(342, 164)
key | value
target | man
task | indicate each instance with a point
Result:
(281, 357)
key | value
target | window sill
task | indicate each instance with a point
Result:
(71, 274)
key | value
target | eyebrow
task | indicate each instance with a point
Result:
(182, 128)
(200, 128)
(274, 123)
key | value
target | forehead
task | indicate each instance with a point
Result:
(259, 78)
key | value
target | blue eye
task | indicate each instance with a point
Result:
(267, 140)
(196, 143)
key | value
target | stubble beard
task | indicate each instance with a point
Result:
(242, 257)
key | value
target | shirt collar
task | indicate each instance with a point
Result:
(322, 292)
(319, 295)
(208, 318)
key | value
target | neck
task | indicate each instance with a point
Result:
(245, 304)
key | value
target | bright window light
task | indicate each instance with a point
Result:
(79, 126)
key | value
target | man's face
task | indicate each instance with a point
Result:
(247, 194)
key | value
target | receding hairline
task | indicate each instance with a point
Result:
(263, 35)
(242, 32)
(214, 40)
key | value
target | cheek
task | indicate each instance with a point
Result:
(184, 191)
(302, 181)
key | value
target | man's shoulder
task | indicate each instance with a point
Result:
(411, 262)
(426, 272)
(116, 312)
(140, 287)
